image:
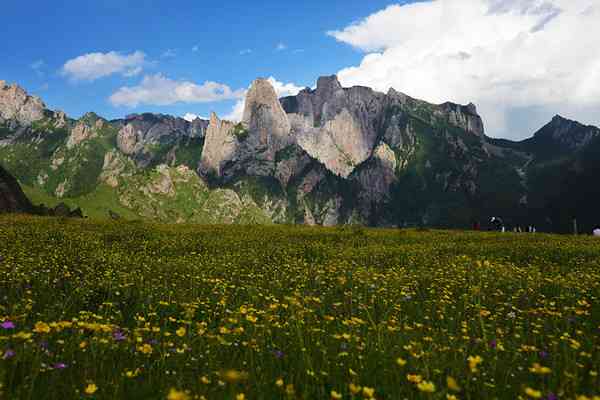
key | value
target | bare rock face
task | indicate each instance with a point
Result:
(115, 167)
(464, 117)
(220, 146)
(60, 119)
(376, 179)
(291, 164)
(127, 139)
(336, 126)
(80, 133)
(265, 119)
(268, 130)
(142, 135)
(162, 184)
(16, 104)
(339, 145)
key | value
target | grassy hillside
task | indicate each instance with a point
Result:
(130, 310)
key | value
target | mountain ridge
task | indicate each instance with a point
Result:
(329, 155)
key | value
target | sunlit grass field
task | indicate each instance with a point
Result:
(129, 310)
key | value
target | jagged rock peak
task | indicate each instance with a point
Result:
(220, 146)
(328, 84)
(568, 133)
(265, 118)
(17, 105)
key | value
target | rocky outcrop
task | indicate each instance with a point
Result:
(567, 134)
(17, 105)
(464, 117)
(336, 126)
(115, 168)
(220, 147)
(141, 134)
(82, 132)
(265, 120)
(127, 139)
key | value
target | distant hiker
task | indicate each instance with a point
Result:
(596, 231)
(476, 226)
(498, 224)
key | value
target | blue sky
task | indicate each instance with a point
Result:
(520, 61)
(48, 34)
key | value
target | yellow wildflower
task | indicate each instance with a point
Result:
(426, 386)
(474, 361)
(240, 396)
(539, 369)
(279, 382)
(413, 378)
(400, 361)
(145, 349)
(354, 389)
(535, 394)
(90, 389)
(368, 392)
(335, 395)
(233, 376)
(175, 394)
(41, 327)
(181, 331)
(452, 384)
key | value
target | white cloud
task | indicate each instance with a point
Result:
(92, 66)
(191, 117)
(504, 55)
(160, 90)
(281, 46)
(282, 90)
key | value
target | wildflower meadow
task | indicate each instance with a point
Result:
(132, 310)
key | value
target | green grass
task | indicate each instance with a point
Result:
(95, 205)
(140, 310)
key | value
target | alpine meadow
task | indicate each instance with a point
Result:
(336, 200)
(294, 313)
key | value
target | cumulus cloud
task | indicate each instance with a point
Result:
(282, 90)
(504, 55)
(93, 66)
(160, 90)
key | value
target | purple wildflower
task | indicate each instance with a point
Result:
(543, 354)
(552, 396)
(493, 344)
(7, 325)
(9, 353)
(59, 366)
(119, 336)
(278, 353)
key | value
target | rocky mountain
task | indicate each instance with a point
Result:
(329, 155)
